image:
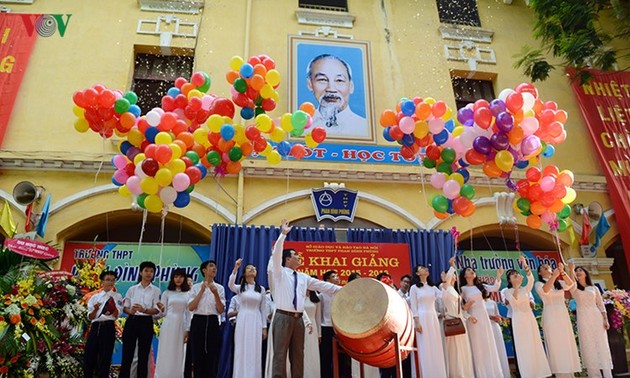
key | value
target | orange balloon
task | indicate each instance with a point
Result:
(199, 149)
(556, 206)
(224, 145)
(538, 106)
(440, 215)
(260, 69)
(534, 221)
(308, 108)
(233, 167)
(257, 82)
(388, 118)
(537, 208)
(187, 138)
(518, 116)
(516, 136)
(187, 88)
(423, 111)
(231, 76)
(204, 160)
(471, 209)
(491, 169)
(181, 145)
(127, 120)
(247, 148)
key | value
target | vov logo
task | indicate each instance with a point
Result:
(46, 25)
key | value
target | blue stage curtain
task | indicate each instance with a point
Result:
(253, 244)
(431, 248)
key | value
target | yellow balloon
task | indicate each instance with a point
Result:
(163, 138)
(421, 130)
(214, 123)
(227, 119)
(457, 131)
(135, 137)
(504, 160)
(149, 185)
(176, 166)
(276, 96)
(201, 136)
(277, 135)
(273, 77)
(310, 142)
(266, 151)
(177, 151)
(274, 157)
(285, 122)
(529, 113)
(78, 111)
(139, 158)
(448, 115)
(153, 203)
(429, 100)
(236, 62)
(239, 134)
(164, 176)
(120, 133)
(263, 123)
(266, 91)
(194, 93)
(81, 125)
(570, 196)
(457, 177)
(124, 191)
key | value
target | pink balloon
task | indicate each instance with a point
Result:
(121, 176)
(529, 125)
(438, 179)
(451, 189)
(436, 125)
(181, 182)
(548, 217)
(530, 144)
(206, 101)
(407, 125)
(133, 184)
(547, 183)
(120, 162)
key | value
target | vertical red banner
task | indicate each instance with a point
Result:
(605, 105)
(16, 45)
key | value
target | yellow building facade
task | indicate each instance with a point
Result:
(412, 54)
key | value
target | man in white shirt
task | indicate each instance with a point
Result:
(289, 293)
(207, 302)
(140, 305)
(405, 284)
(103, 309)
(330, 79)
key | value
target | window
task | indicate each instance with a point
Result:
(328, 5)
(461, 12)
(469, 90)
(155, 74)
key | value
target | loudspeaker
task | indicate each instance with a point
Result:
(26, 193)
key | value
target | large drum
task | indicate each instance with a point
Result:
(367, 315)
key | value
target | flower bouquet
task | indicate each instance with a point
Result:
(620, 301)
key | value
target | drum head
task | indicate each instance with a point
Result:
(360, 308)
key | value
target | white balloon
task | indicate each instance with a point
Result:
(153, 118)
(528, 101)
(139, 172)
(168, 195)
(504, 93)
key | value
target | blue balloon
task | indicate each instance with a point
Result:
(522, 164)
(202, 169)
(182, 200)
(173, 92)
(450, 207)
(284, 148)
(135, 110)
(247, 70)
(464, 173)
(116, 182)
(549, 151)
(449, 125)
(408, 108)
(247, 113)
(441, 137)
(124, 146)
(386, 134)
(408, 140)
(463, 163)
(151, 133)
(227, 132)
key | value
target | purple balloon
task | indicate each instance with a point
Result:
(505, 122)
(482, 145)
(497, 107)
(517, 155)
(511, 185)
(500, 141)
(530, 144)
(466, 116)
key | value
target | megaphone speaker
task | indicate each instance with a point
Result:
(25, 193)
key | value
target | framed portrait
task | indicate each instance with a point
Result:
(336, 77)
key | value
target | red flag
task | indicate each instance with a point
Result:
(586, 228)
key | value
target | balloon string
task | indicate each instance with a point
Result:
(517, 242)
(164, 212)
(424, 192)
(100, 166)
(144, 222)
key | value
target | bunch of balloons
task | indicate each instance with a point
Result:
(105, 111)
(254, 84)
(545, 196)
(424, 128)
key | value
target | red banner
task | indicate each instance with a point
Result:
(365, 258)
(16, 44)
(31, 248)
(605, 105)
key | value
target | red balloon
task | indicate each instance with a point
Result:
(298, 151)
(318, 134)
(186, 161)
(407, 152)
(106, 98)
(260, 144)
(461, 204)
(396, 133)
(252, 133)
(474, 158)
(514, 102)
(90, 96)
(527, 88)
(150, 167)
(163, 153)
(483, 117)
(551, 170)
(433, 152)
(168, 103)
(268, 104)
(180, 81)
(535, 193)
(480, 104)
(194, 103)
(533, 174)
(223, 107)
(181, 101)
(130, 169)
(523, 188)
(240, 99)
(79, 99)
(194, 174)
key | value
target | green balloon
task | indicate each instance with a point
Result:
(192, 155)
(235, 153)
(526, 213)
(299, 119)
(565, 212)
(297, 132)
(121, 105)
(132, 97)
(240, 85)
(448, 155)
(445, 168)
(258, 110)
(140, 200)
(206, 85)
(258, 101)
(428, 163)
(440, 204)
(562, 225)
(467, 191)
(213, 158)
(523, 204)
(190, 189)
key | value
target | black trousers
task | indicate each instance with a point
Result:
(326, 356)
(188, 360)
(204, 334)
(99, 349)
(138, 331)
(517, 372)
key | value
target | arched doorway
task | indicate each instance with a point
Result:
(619, 269)
(494, 237)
